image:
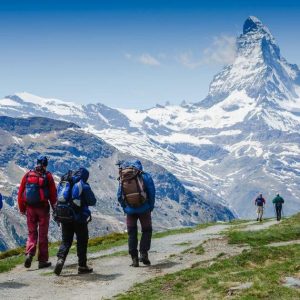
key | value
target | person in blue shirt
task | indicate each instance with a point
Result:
(82, 197)
(1, 203)
(136, 195)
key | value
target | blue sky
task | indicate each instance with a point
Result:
(130, 54)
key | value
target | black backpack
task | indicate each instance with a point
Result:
(64, 211)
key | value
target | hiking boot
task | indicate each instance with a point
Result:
(28, 261)
(257, 219)
(44, 264)
(135, 262)
(84, 270)
(144, 259)
(59, 266)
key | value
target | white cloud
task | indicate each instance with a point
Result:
(145, 59)
(221, 51)
(188, 60)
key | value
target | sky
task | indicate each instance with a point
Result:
(128, 53)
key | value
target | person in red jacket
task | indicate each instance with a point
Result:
(36, 191)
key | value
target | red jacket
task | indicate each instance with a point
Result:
(51, 187)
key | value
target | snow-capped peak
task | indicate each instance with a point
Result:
(254, 24)
(258, 69)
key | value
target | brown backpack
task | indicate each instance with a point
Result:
(133, 187)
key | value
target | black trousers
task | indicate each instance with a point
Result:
(278, 208)
(146, 224)
(82, 235)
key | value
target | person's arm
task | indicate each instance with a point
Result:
(52, 190)
(1, 203)
(282, 200)
(21, 202)
(88, 195)
(264, 201)
(150, 189)
(120, 196)
(255, 201)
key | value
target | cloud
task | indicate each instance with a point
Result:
(188, 60)
(145, 59)
(221, 51)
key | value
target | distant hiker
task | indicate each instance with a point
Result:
(1, 203)
(260, 202)
(136, 194)
(74, 197)
(278, 201)
(37, 189)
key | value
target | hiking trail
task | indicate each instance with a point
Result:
(112, 274)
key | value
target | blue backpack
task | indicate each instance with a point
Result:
(259, 201)
(65, 209)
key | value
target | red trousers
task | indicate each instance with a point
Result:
(38, 224)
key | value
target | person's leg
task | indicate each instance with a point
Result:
(261, 213)
(132, 234)
(278, 212)
(43, 219)
(82, 234)
(258, 213)
(146, 224)
(32, 225)
(67, 240)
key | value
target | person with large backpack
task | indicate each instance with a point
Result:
(260, 203)
(36, 191)
(136, 194)
(278, 201)
(72, 211)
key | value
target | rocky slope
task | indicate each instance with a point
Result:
(69, 147)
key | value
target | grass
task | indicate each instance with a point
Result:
(183, 244)
(198, 250)
(161, 234)
(11, 258)
(286, 230)
(263, 266)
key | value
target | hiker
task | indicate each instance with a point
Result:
(37, 189)
(136, 194)
(260, 202)
(1, 203)
(278, 201)
(74, 197)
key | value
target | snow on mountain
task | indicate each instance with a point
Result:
(69, 147)
(241, 139)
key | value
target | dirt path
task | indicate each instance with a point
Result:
(112, 275)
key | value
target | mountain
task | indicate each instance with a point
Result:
(69, 147)
(243, 138)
